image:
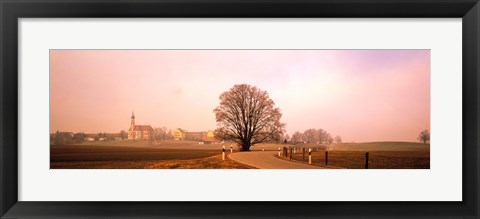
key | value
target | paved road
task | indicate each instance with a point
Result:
(266, 160)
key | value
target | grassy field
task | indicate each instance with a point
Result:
(382, 155)
(159, 144)
(123, 157)
(172, 144)
(381, 146)
(368, 146)
(189, 154)
(377, 159)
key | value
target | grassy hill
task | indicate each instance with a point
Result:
(382, 146)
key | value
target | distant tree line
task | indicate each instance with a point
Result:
(162, 133)
(60, 137)
(313, 135)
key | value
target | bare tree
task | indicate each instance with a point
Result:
(310, 135)
(123, 134)
(424, 136)
(79, 137)
(247, 116)
(322, 136)
(297, 137)
(168, 135)
(329, 138)
(161, 133)
(59, 138)
(338, 139)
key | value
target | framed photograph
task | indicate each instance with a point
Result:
(203, 109)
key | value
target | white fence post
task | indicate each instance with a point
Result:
(223, 152)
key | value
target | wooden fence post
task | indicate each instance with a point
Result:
(366, 160)
(303, 156)
(309, 156)
(326, 158)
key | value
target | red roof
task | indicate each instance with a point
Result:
(144, 128)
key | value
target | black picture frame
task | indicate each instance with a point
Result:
(12, 10)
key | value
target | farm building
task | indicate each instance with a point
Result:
(178, 134)
(205, 137)
(209, 138)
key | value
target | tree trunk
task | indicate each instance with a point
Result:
(245, 146)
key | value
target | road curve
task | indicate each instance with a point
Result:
(266, 160)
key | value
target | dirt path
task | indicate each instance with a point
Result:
(266, 160)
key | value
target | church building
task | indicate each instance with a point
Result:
(139, 132)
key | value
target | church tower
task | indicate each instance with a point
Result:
(132, 123)
(139, 132)
(131, 131)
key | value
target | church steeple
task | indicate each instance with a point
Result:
(132, 122)
(131, 132)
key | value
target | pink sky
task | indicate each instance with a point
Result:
(361, 95)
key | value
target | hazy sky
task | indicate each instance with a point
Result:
(361, 95)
